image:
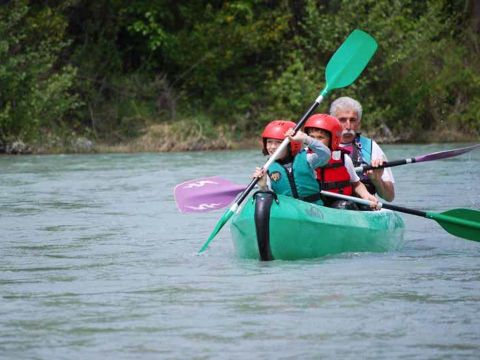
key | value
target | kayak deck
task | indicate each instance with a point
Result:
(298, 230)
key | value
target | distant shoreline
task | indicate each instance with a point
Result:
(159, 138)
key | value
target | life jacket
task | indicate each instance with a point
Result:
(361, 154)
(334, 176)
(297, 181)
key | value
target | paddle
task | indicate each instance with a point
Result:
(206, 194)
(344, 67)
(427, 157)
(464, 223)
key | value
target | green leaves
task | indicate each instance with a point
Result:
(34, 91)
(245, 59)
(150, 29)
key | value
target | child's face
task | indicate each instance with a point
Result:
(272, 145)
(319, 134)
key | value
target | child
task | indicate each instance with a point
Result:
(338, 175)
(293, 172)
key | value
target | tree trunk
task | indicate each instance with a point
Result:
(472, 9)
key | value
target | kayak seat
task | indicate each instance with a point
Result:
(344, 204)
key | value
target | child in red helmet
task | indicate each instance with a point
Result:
(293, 172)
(339, 174)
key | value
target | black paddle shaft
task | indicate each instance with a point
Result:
(428, 157)
(389, 164)
(295, 129)
(404, 210)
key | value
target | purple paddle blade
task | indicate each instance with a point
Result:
(445, 154)
(206, 194)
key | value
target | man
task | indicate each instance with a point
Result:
(362, 149)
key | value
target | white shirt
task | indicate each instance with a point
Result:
(351, 170)
(377, 153)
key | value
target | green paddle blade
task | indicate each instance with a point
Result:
(464, 223)
(349, 60)
(223, 220)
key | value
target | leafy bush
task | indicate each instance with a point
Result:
(423, 77)
(114, 69)
(35, 90)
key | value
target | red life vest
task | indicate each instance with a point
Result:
(334, 176)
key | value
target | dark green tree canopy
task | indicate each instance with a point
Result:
(110, 69)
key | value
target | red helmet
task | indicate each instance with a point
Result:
(328, 123)
(276, 129)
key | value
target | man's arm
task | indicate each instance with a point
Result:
(385, 189)
(382, 179)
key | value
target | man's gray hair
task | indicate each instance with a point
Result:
(346, 103)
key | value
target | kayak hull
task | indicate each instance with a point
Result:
(292, 229)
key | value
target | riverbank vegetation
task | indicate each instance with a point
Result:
(116, 75)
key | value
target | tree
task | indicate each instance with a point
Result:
(35, 88)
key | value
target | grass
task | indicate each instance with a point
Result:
(202, 135)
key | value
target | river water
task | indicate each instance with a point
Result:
(96, 262)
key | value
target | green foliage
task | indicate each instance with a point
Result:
(35, 92)
(128, 104)
(114, 68)
(423, 77)
(292, 91)
(224, 55)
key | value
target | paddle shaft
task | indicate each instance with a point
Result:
(279, 150)
(428, 157)
(442, 219)
(368, 203)
(385, 165)
(254, 181)
(343, 68)
(459, 222)
(192, 196)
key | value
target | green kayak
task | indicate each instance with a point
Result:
(270, 227)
